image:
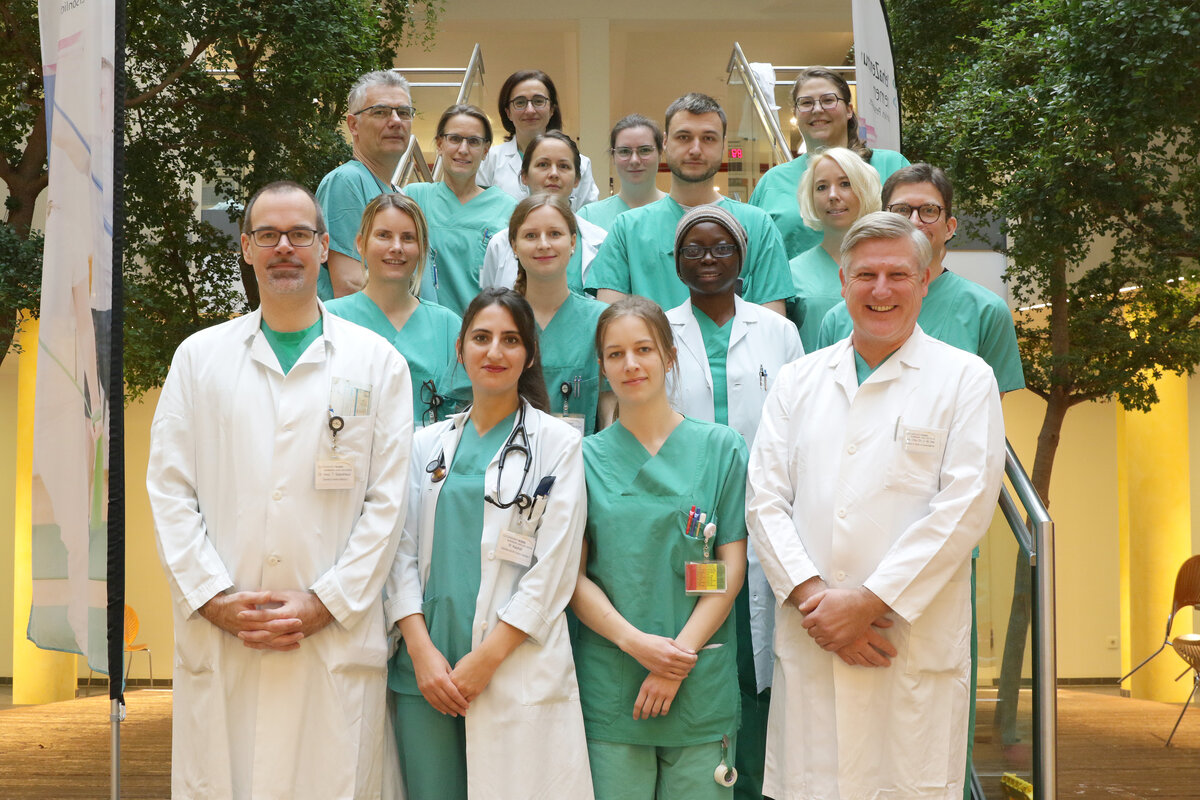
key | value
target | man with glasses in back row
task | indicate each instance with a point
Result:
(379, 115)
(278, 479)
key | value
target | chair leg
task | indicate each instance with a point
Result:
(150, 656)
(1195, 686)
(1147, 660)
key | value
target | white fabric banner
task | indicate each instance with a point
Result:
(70, 431)
(878, 99)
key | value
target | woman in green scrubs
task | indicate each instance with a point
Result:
(462, 216)
(838, 189)
(550, 166)
(543, 234)
(635, 145)
(825, 118)
(483, 680)
(658, 666)
(393, 241)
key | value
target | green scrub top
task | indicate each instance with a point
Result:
(716, 347)
(638, 255)
(569, 352)
(960, 313)
(637, 512)
(426, 341)
(458, 238)
(603, 212)
(290, 345)
(818, 289)
(776, 194)
(452, 589)
(343, 194)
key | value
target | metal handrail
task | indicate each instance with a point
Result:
(474, 64)
(413, 160)
(1045, 654)
(740, 67)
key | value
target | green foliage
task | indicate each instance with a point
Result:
(20, 279)
(236, 93)
(1077, 123)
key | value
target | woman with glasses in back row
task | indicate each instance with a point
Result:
(462, 216)
(528, 107)
(636, 145)
(821, 103)
(393, 240)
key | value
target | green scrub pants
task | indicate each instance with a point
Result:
(433, 750)
(646, 772)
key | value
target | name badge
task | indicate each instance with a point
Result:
(516, 548)
(704, 577)
(334, 473)
(575, 421)
(922, 440)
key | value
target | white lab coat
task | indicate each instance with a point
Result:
(500, 262)
(760, 343)
(231, 482)
(502, 167)
(887, 485)
(525, 735)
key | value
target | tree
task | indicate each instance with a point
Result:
(238, 94)
(1077, 124)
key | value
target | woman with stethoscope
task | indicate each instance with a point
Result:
(838, 189)
(551, 165)
(393, 241)
(664, 558)
(487, 705)
(462, 216)
(635, 144)
(825, 118)
(528, 107)
(730, 352)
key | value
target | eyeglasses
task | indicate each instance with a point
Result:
(695, 251)
(382, 112)
(432, 400)
(928, 213)
(456, 140)
(538, 101)
(297, 237)
(828, 101)
(626, 153)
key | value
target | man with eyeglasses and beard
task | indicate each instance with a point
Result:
(278, 479)
(379, 115)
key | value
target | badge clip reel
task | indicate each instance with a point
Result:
(707, 576)
(724, 774)
(567, 392)
(335, 472)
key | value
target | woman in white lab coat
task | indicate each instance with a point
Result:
(729, 352)
(529, 107)
(487, 705)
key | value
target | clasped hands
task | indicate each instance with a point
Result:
(274, 620)
(668, 662)
(845, 622)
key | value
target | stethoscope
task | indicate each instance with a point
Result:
(518, 441)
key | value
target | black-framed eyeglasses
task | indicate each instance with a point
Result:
(626, 153)
(538, 101)
(828, 102)
(383, 112)
(432, 402)
(928, 213)
(297, 237)
(456, 140)
(695, 251)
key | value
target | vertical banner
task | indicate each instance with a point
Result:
(875, 74)
(71, 409)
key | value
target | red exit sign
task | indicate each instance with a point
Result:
(735, 152)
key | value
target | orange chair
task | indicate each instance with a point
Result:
(1187, 646)
(131, 632)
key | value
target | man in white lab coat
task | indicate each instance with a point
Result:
(875, 471)
(277, 476)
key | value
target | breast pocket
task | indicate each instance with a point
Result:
(353, 444)
(915, 464)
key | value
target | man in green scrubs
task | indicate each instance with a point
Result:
(637, 257)
(957, 311)
(379, 116)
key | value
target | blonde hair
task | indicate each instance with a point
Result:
(406, 205)
(521, 213)
(647, 311)
(864, 182)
